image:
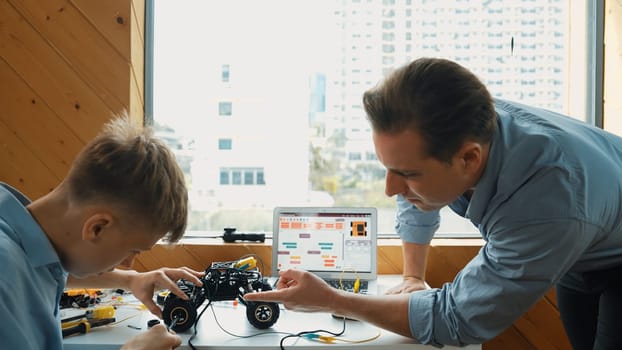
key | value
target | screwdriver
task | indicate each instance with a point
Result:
(173, 323)
(96, 313)
(84, 326)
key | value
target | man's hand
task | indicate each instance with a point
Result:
(299, 290)
(303, 291)
(409, 284)
(157, 338)
(144, 284)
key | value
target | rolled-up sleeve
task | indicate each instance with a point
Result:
(499, 285)
(414, 225)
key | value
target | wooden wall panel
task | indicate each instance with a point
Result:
(111, 18)
(40, 130)
(21, 168)
(510, 339)
(49, 76)
(92, 57)
(536, 326)
(66, 67)
(137, 56)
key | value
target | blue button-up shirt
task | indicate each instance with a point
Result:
(32, 279)
(548, 204)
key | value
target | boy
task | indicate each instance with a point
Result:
(123, 193)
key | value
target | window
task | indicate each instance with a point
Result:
(298, 91)
(611, 118)
(236, 177)
(387, 60)
(249, 177)
(241, 176)
(225, 73)
(389, 13)
(224, 177)
(386, 48)
(388, 36)
(224, 108)
(354, 156)
(259, 177)
(388, 24)
(224, 144)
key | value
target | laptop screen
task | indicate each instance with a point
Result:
(331, 242)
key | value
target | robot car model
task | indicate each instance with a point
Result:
(229, 280)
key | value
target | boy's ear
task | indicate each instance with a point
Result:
(95, 225)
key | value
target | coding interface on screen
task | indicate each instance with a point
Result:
(325, 242)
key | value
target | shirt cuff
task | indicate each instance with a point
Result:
(414, 225)
(420, 234)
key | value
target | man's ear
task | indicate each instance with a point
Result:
(471, 156)
(95, 225)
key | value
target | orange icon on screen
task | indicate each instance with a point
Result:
(358, 229)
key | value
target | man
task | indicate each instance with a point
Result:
(123, 193)
(543, 189)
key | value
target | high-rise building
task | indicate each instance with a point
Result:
(518, 48)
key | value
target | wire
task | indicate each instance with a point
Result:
(209, 304)
(194, 331)
(243, 336)
(196, 322)
(123, 320)
(315, 335)
(315, 332)
(359, 341)
(356, 286)
(310, 335)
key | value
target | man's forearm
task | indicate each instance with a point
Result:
(415, 259)
(389, 312)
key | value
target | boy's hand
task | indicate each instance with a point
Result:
(156, 338)
(144, 284)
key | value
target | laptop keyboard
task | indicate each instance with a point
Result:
(348, 285)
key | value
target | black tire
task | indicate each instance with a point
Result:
(262, 315)
(183, 310)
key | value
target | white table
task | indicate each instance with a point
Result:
(233, 319)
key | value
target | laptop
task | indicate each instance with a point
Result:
(338, 244)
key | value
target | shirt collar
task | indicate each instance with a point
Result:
(26, 231)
